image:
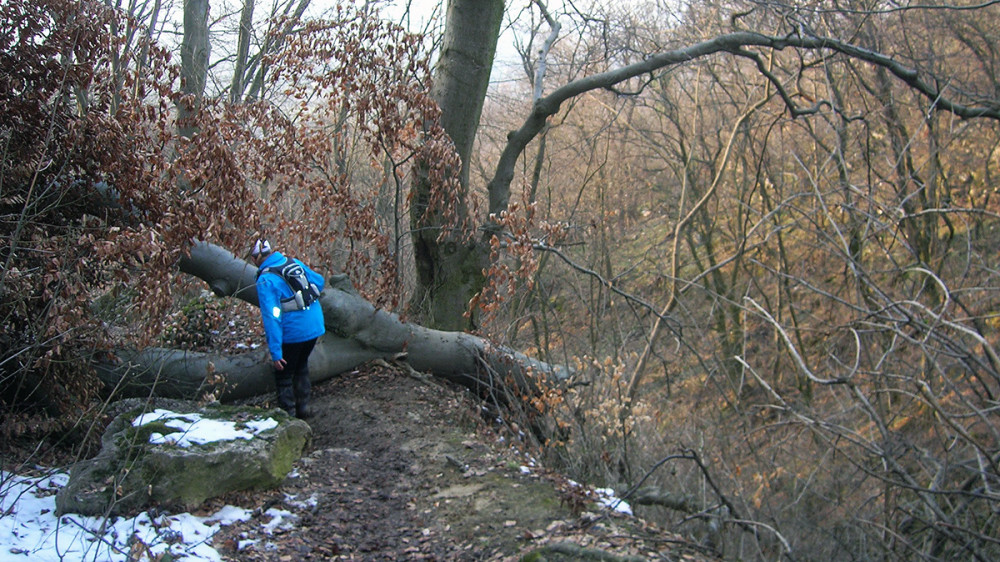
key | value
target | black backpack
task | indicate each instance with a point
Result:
(304, 293)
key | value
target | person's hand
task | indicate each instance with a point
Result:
(279, 365)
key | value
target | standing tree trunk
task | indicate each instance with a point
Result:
(194, 75)
(242, 52)
(194, 64)
(450, 266)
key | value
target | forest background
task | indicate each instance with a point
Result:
(770, 257)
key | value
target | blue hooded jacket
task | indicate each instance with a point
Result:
(286, 327)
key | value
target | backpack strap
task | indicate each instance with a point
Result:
(301, 298)
(275, 269)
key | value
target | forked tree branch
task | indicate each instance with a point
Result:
(735, 43)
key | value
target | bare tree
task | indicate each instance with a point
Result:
(194, 64)
(823, 222)
(242, 51)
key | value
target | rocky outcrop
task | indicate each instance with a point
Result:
(177, 455)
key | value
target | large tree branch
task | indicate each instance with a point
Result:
(517, 141)
(357, 332)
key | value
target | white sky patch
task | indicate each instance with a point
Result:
(196, 430)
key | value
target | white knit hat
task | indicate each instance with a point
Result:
(261, 246)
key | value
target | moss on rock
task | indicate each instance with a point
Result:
(131, 473)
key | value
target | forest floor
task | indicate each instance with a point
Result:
(405, 469)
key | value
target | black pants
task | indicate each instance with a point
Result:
(292, 382)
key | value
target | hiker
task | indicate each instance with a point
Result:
(287, 291)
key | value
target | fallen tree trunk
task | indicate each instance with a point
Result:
(685, 503)
(357, 333)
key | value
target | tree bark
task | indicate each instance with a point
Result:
(449, 268)
(194, 64)
(242, 52)
(462, 74)
(357, 333)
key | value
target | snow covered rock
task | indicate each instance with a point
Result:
(181, 455)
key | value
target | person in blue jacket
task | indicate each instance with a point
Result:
(291, 331)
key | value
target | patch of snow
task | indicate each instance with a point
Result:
(260, 426)
(229, 514)
(607, 498)
(30, 530)
(194, 429)
(280, 520)
(294, 501)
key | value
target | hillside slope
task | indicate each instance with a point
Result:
(401, 469)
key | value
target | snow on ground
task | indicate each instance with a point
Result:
(31, 531)
(606, 497)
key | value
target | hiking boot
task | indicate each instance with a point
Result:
(285, 393)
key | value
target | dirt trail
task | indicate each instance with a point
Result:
(401, 469)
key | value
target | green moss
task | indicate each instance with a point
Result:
(169, 474)
(286, 451)
(143, 432)
(135, 439)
